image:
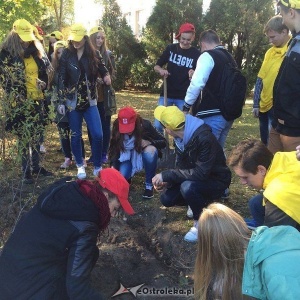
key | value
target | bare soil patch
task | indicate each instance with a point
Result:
(145, 249)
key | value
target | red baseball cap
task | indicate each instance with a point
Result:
(115, 182)
(126, 116)
(186, 27)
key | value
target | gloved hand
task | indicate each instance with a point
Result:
(61, 109)
(255, 112)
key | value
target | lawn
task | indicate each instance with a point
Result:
(16, 197)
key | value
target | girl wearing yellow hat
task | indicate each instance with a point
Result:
(105, 94)
(61, 121)
(79, 68)
(24, 65)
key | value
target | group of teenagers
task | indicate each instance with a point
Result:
(56, 240)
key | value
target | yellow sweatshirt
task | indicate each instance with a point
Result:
(282, 183)
(268, 73)
(31, 71)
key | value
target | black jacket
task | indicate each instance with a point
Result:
(53, 249)
(12, 77)
(69, 74)
(13, 72)
(149, 133)
(203, 158)
(286, 92)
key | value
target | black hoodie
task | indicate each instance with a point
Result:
(52, 251)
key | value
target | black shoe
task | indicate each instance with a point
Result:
(28, 178)
(42, 171)
(148, 194)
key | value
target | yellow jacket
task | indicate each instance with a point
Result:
(282, 183)
(268, 73)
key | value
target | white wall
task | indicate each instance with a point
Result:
(136, 12)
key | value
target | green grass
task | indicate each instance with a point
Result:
(15, 197)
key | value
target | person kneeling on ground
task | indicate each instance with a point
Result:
(230, 264)
(279, 176)
(201, 174)
(52, 251)
(135, 144)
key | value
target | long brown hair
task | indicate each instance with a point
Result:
(55, 62)
(222, 240)
(13, 44)
(91, 54)
(103, 51)
(117, 139)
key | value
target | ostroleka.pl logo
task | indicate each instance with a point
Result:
(155, 292)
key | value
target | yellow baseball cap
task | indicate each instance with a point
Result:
(78, 31)
(170, 117)
(96, 29)
(290, 3)
(24, 30)
(57, 34)
(59, 44)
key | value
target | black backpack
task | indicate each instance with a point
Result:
(233, 88)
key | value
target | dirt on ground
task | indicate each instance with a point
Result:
(146, 249)
(142, 256)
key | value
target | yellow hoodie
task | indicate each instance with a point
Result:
(282, 183)
(268, 73)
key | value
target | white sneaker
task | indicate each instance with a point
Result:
(42, 149)
(81, 172)
(66, 164)
(189, 213)
(192, 235)
(96, 171)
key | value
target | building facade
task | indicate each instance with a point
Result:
(136, 13)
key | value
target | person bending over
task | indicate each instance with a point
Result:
(278, 175)
(201, 174)
(52, 251)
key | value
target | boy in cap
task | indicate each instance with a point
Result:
(181, 59)
(285, 131)
(201, 174)
(52, 251)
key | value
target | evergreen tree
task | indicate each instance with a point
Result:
(239, 23)
(121, 41)
(167, 16)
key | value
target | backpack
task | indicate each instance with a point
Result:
(233, 88)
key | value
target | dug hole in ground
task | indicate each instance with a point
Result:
(146, 249)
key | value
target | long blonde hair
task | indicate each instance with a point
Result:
(103, 48)
(222, 240)
(104, 51)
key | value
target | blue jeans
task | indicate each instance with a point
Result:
(150, 165)
(93, 122)
(170, 101)
(265, 123)
(64, 135)
(105, 121)
(257, 209)
(220, 127)
(196, 194)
